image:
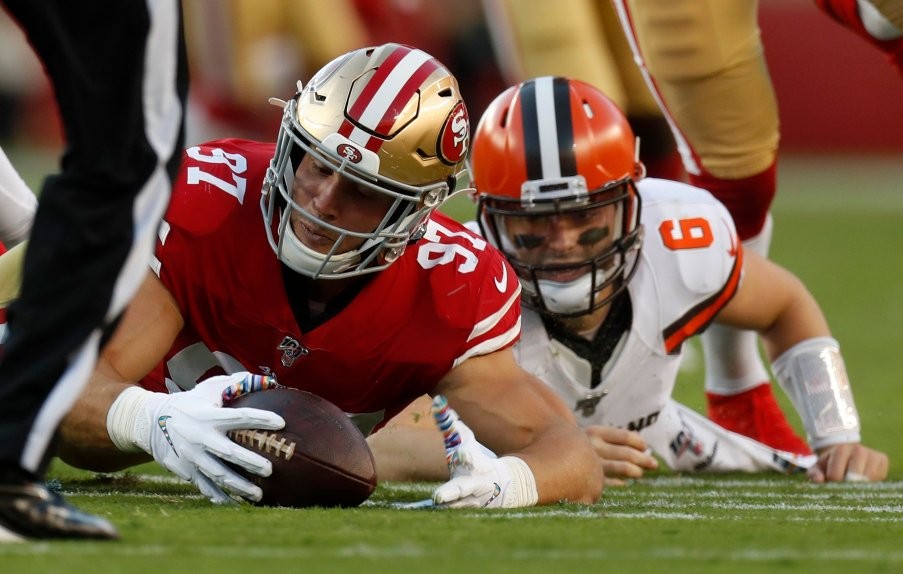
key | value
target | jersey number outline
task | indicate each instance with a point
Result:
(694, 233)
(236, 163)
(434, 252)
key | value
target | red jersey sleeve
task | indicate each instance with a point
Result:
(481, 281)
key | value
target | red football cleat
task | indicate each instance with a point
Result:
(755, 413)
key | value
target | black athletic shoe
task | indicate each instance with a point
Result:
(28, 511)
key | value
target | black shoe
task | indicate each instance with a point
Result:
(29, 511)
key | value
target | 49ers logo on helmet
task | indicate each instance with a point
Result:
(350, 153)
(454, 136)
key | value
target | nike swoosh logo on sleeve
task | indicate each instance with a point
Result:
(502, 284)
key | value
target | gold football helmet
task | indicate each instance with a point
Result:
(390, 118)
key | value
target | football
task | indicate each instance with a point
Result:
(320, 458)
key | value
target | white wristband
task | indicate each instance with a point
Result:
(127, 422)
(813, 375)
(522, 490)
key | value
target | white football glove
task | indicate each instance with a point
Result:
(478, 478)
(186, 432)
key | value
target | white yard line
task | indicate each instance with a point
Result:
(410, 550)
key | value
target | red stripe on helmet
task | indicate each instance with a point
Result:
(346, 128)
(373, 85)
(405, 94)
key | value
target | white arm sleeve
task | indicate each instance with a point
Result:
(813, 375)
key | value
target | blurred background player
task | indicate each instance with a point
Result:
(120, 90)
(242, 51)
(582, 39)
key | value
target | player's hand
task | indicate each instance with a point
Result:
(186, 433)
(851, 462)
(623, 453)
(478, 478)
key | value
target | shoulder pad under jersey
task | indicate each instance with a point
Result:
(690, 238)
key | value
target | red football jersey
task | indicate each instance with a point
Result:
(450, 296)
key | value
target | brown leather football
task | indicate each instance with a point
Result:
(320, 458)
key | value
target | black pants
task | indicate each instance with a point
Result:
(119, 73)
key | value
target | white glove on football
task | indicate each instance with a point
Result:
(186, 432)
(478, 478)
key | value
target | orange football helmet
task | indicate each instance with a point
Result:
(553, 154)
(390, 118)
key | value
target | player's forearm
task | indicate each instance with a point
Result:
(84, 439)
(564, 465)
(409, 447)
(799, 319)
(409, 454)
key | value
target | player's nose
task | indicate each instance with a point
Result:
(560, 236)
(329, 197)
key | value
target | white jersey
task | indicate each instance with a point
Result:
(689, 268)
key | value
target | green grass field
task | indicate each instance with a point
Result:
(838, 224)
